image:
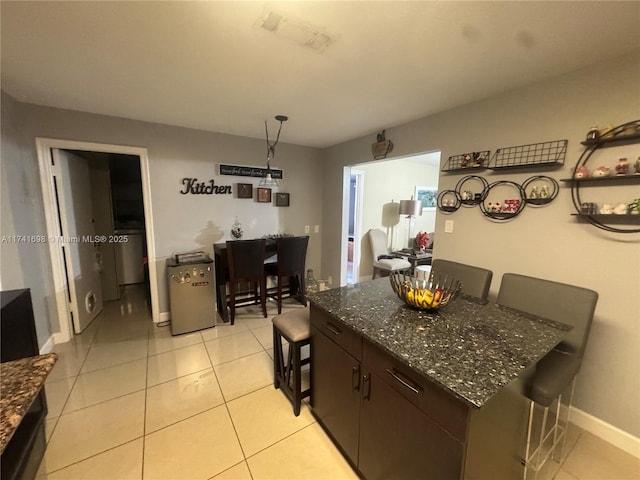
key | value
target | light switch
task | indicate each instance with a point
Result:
(448, 226)
(306, 229)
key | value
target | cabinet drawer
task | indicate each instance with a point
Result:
(337, 331)
(447, 411)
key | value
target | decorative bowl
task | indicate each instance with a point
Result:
(436, 292)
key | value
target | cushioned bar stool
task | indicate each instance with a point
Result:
(556, 372)
(293, 326)
(475, 280)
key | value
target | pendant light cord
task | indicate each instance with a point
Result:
(271, 153)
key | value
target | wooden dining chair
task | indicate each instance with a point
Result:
(246, 265)
(556, 372)
(289, 269)
(475, 280)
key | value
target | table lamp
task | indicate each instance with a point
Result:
(410, 208)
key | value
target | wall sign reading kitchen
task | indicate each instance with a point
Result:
(242, 171)
(192, 186)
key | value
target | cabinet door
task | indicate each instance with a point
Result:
(335, 383)
(397, 440)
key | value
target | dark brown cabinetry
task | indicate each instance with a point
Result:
(24, 451)
(390, 422)
(360, 397)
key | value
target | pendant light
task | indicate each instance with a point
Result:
(268, 180)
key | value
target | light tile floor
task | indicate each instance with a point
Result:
(129, 401)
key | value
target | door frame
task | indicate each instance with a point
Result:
(357, 222)
(43, 148)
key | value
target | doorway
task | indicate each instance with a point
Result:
(46, 149)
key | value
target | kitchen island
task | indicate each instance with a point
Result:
(412, 394)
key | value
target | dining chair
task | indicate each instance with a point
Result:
(475, 280)
(383, 261)
(289, 268)
(246, 265)
(555, 374)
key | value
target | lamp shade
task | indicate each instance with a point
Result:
(410, 207)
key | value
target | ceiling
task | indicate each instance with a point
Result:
(209, 65)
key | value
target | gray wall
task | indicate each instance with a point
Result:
(181, 222)
(24, 263)
(544, 242)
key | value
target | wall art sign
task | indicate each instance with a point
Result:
(192, 186)
(245, 190)
(242, 171)
(282, 199)
(264, 195)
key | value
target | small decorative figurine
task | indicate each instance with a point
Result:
(544, 191)
(236, 230)
(620, 209)
(634, 207)
(622, 167)
(581, 172)
(606, 209)
(636, 166)
(593, 133)
(602, 171)
(465, 160)
(534, 192)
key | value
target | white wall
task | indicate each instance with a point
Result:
(181, 222)
(545, 242)
(385, 184)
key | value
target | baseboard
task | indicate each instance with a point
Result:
(611, 434)
(48, 346)
(164, 317)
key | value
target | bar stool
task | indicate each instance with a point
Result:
(475, 280)
(246, 265)
(293, 326)
(292, 254)
(556, 372)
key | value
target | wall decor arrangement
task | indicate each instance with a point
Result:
(428, 196)
(194, 187)
(282, 199)
(549, 154)
(474, 190)
(245, 190)
(620, 217)
(467, 161)
(243, 171)
(264, 195)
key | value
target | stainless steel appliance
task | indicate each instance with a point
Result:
(191, 292)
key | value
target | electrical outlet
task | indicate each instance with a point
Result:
(448, 226)
(316, 229)
(306, 229)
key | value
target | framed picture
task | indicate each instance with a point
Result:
(282, 199)
(428, 196)
(245, 190)
(264, 195)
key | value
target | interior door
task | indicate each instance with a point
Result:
(79, 239)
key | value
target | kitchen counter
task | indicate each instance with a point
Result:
(470, 349)
(21, 382)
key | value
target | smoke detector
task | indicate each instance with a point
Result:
(296, 31)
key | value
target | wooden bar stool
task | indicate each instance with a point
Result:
(293, 326)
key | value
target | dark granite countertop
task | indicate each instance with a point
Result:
(469, 348)
(20, 383)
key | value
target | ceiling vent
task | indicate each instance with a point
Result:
(296, 31)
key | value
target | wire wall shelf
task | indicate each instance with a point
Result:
(468, 161)
(545, 154)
